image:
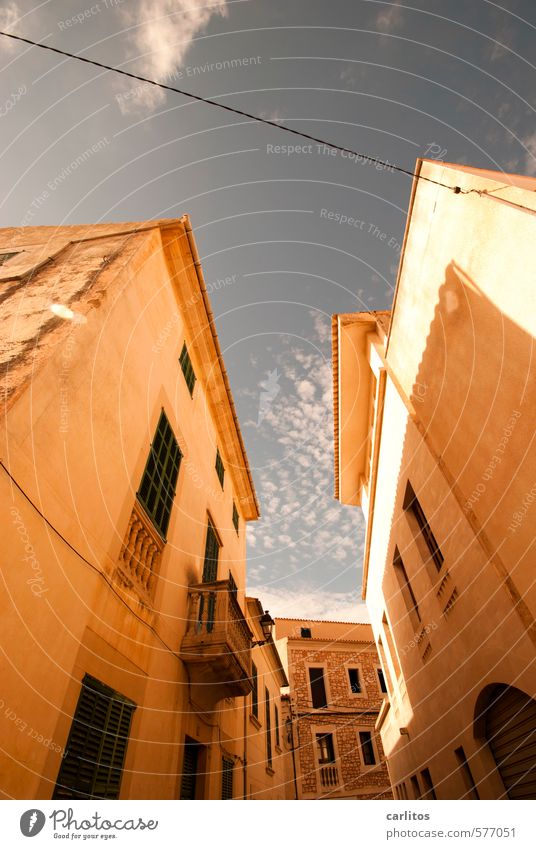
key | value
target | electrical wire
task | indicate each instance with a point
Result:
(370, 160)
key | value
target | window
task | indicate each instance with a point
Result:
(227, 778)
(268, 728)
(212, 551)
(367, 748)
(255, 692)
(429, 791)
(469, 783)
(220, 468)
(391, 645)
(318, 687)
(236, 518)
(190, 769)
(4, 257)
(157, 487)
(305, 632)
(412, 507)
(276, 723)
(232, 584)
(415, 789)
(187, 369)
(383, 659)
(406, 590)
(381, 679)
(326, 748)
(355, 682)
(92, 766)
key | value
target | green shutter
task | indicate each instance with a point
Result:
(220, 469)
(157, 487)
(187, 369)
(268, 729)
(255, 692)
(227, 766)
(212, 550)
(92, 765)
(189, 770)
(236, 518)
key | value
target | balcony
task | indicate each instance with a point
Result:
(329, 776)
(217, 643)
(139, 559)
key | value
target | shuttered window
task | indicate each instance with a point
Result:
(157, 488)
(255, 692)
(220, 468)
(268, 728)
(212, 550)
(236, 518)
(94, 756)
(227, 778)
(276, 724)
(189, 769)
(187, 369)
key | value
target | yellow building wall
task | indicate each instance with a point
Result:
(76, 442)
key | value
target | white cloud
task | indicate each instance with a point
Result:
(9, 17)
(530, 155)
(390, 18)
(163, 30)
(307, 604)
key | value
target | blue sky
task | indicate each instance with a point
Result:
(441, 78)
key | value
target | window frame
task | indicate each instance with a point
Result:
(206, 578)
(406, 590)
(156, 479)
(255, 692)
(423, 534)
(306, 636)
(236, 519)
(102, 737)
(227, 774)
(374, 746)
(352, 665)
(382, 683)
(268, 731)
(220, 468)
(187, 368)
(323, 667)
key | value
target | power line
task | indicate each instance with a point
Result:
(373, 160)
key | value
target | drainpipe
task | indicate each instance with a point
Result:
(245, 760)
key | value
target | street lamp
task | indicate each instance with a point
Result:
(267, 625)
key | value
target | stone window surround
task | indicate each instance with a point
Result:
(326, 728)
(379, 763)
(352, 664)
(309, 664)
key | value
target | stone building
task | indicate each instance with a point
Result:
(337, 693)
(126, 644)
(434, 440)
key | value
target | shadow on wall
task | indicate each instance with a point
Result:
(471, 399)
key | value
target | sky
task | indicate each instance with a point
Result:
(287, 235)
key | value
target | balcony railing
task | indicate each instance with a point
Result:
(329, 776)
(217, 643)
(140, 555)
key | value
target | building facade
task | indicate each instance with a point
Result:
(126, 644)
(337, 693)
(434, 439)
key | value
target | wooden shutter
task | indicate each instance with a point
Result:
(227, 778)
(212, 550)
(157, 487)
(93, 762)
(189, 770)
(511, 734)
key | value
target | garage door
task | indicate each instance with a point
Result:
(511, 734)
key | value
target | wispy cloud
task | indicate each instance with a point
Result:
(390, 18)
(305, 604)
(530, 154)
(162, 31)
(9, 17)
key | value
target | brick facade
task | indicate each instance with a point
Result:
(347, 713)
